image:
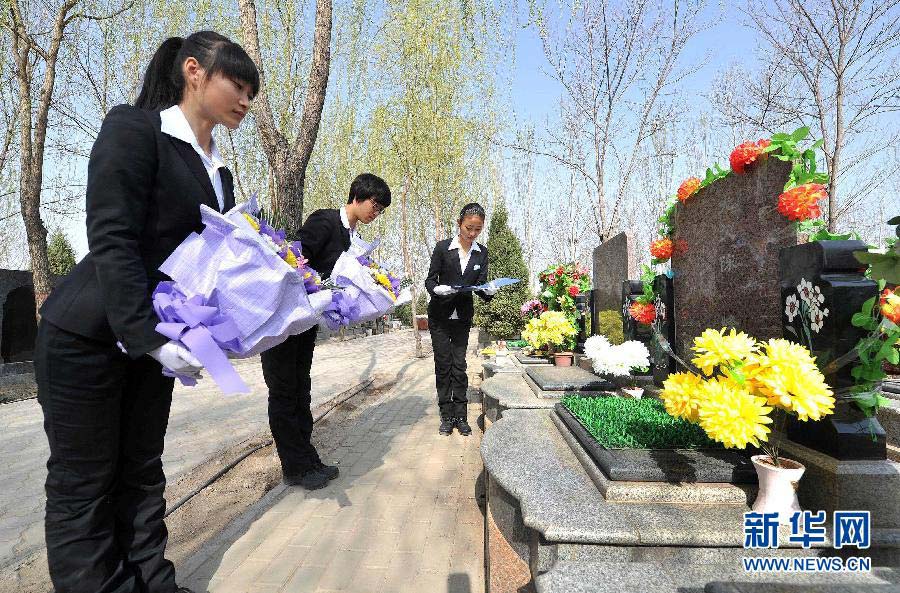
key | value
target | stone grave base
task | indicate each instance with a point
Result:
(830, 484)
(509, 391)
(691, 476)
(554, 382)
(531, 360)
(552, 515)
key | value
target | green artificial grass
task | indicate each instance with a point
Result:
(624, 423)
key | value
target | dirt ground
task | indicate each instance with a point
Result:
(214, 507)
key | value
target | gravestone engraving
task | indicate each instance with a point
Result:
(663, 326)
(632, 330)
(822, 286)
(611, 267)
(726, 273)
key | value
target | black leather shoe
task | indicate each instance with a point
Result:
(447, 425)
(463, 427)
(331, 471)
(312, 479)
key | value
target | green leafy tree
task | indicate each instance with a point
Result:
(500, 317)
(60, 254)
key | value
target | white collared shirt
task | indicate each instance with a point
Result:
(345, 220)
(463, 260)
(175, 124)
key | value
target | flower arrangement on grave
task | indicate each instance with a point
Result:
(531, 309)
(619, 360)
(559, 285)
(549, 331)
(688, 188)
(746, 153)
(880, 316)
(740, 385)
(643, 308)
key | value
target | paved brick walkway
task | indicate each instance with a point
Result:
(402, 517)
(202, 423)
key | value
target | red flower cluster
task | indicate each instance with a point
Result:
(662, 249)
(573, 291)
(890, 304)
(643, 313)
(746, 153)
(801, 202)
(688, 188)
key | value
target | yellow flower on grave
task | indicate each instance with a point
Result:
(718, 348)
(786, 374)
(290, 258)
(680, 395)
(731, 415)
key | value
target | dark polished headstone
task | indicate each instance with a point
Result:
(822, 286)
(554, 378)
(631, 329)
(727, 274)
(664, 325)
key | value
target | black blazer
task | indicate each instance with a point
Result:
(323, 238)
(444, 269)
(144, 190)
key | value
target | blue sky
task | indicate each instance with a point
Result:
(535, 95)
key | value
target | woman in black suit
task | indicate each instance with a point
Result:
(99, 358)
(456, 262)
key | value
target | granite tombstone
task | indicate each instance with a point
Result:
(726, 272)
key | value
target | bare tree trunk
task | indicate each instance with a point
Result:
(407, 263)
(288, 161)
(33, 132)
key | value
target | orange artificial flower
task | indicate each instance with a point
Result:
(746, 153)
(801, 202)
(662, 249)
(642, 313)
(688, 188)
(890, 304)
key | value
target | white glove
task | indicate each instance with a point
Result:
(444, 290)
(177, 359)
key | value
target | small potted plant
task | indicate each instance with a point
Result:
(618, 363)
(551, 330)
(741, 388)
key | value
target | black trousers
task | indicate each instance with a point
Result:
(449, 339)
(286, 370)
(105, 416)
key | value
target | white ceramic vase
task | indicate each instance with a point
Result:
(633, 392)
(777, 486)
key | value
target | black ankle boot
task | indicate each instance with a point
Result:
(447, 425)
(463, 427)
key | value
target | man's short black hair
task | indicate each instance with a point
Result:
(367, 185)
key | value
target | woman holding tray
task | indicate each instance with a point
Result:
(99, 358)
(456, 264)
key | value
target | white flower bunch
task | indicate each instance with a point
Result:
(615, 360)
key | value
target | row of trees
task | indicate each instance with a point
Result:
(412, 89)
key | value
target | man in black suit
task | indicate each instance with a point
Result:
(324, 236)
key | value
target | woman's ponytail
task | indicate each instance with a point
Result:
(161, 89)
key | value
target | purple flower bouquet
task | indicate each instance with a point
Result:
(238, 288)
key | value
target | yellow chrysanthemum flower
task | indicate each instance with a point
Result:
(787, 375)
(552, 327)
(731, 415)
(715, 348)
(291, 259)
(252, 221)
(680, 395)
